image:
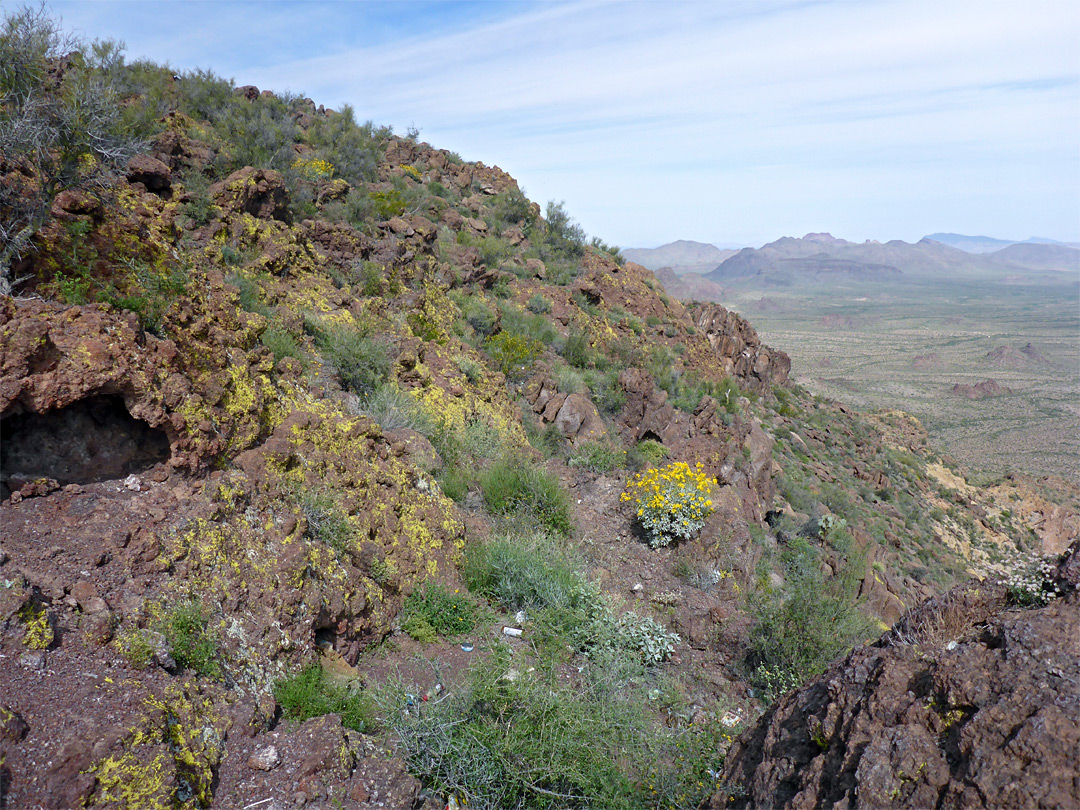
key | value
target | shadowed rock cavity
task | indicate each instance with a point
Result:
(94, 439)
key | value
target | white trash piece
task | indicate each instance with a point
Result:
(512, 631)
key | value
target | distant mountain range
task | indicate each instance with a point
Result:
(693, 269)
(988, 244)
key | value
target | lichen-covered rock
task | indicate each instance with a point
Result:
(259, 192)
(965, 704)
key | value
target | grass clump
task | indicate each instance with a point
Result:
(311, 694)
(362, 362)
(597, 457)
(326, 520)
(514, 487)
(190, 641)
(446, 613)
(533, 573)
(392, 409)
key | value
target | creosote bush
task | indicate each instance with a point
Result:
(672, 502)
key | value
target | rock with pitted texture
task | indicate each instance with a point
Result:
(969, 702)
(259, 192)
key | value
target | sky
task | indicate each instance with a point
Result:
(733, 122)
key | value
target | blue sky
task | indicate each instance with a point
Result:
(725, 122)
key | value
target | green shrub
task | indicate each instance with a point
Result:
(190, 642)
(597, 457)
(569, 380)
(512, 486)
(420, 629)
(813, 620)
(606, 392)
(562, 235)
(136, 647)
(311, 694)
(578, 351)
(480, 315)
(539, 304)
(513, 354)
(472, 370)
(652, 451)
(449, 614)
(282, 344)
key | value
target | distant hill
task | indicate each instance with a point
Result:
(987, 244)
(688, 286)
(683, 256)
(1039, 256)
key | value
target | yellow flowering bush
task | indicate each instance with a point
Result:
(314, 169)
(672, 502)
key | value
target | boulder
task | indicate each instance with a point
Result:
(151, 172)
(259, 192)
(968, 702)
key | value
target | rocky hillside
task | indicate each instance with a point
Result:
(298, 415)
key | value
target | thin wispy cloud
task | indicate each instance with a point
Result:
(734, 121)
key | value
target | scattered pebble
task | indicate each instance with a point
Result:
(265, 759)
(35, 660)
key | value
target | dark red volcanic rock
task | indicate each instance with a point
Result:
(967, 702)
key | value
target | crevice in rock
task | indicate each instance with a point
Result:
(94, 439)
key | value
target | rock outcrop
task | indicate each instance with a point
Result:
(967, 702)
(739, 349)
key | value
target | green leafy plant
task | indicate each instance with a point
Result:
(808, 623)
(447, 613)
(514, 355)
(193, 646)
